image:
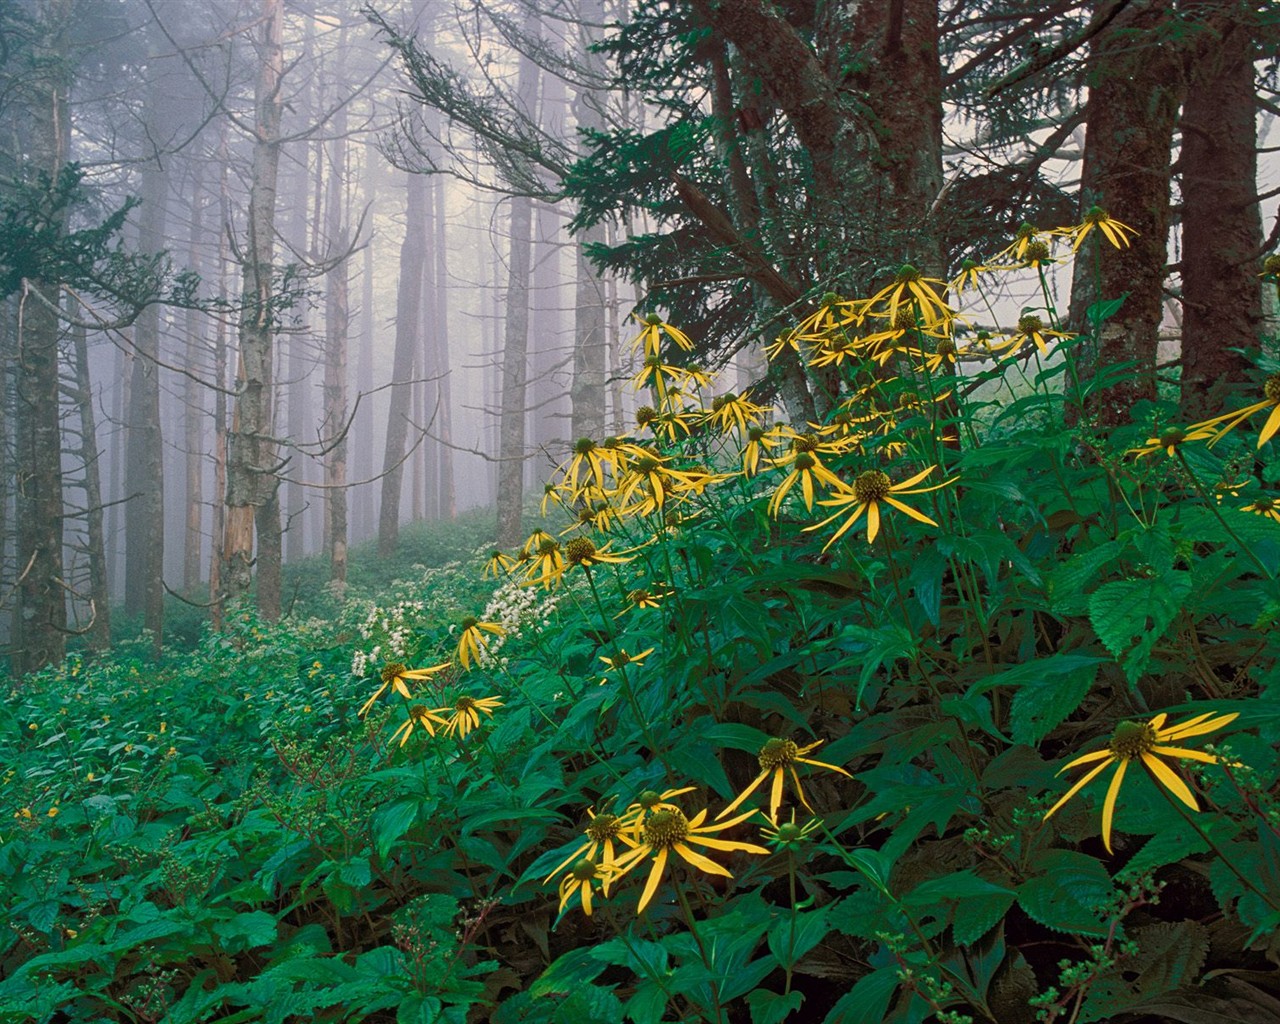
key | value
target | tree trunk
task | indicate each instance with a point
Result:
(40, 613)
(217, 513)
(446, 490)
(252, 484)
(1221, 223)
(193, 407)
(1133, 101)
(515, 351)
(99, 635)
(337, 320)
(408, 311)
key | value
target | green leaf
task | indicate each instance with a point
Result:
(392, 821)
(1042, 703)
(1068, 893)
(1129, 616)
(790, 939)
(246, 931)
(868, 1001)
(976, 916)
(771, 1007)
(1053, 667)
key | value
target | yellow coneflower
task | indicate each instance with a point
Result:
(778, 758)
(1113, 230)
(1146, 743)
(603, 831)
(653, 329)
(471, 641)
(419, 717)
(394, 675)
(464, 715)
(869, 489)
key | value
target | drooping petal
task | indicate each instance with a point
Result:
(775, 797)
(699, 861)
(655, 876)
(725, 844)
(873, 520)
(1196, 726)
(1109, 805)
(1085, 759)
(755, 784)
(913, 513)
(1080, 784)
(1168, 778)
(912, 481)
(1193, 755)
(1270, 427)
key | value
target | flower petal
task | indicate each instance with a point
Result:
(1196, 726)
(700, 862)
(1080, 784)
(655, 876)
(1109, 805)
(1168, 778)
(1193, 755)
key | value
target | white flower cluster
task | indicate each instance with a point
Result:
(390, 628)
(512, 607)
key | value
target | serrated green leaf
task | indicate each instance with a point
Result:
(976, 916)
(1129, 616)
(1068, 893)
(1041, 704)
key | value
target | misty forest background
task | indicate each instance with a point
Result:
(311, 310)
(333, 270)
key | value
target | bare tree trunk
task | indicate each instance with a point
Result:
(1221, 223)
(40, 614)
(193, 409)
(515, 351)
(447, 494)
(1134, 94)
(362, 428)
(408, 311)
(252, 484)
(217, 516)
(100, 631)
(337, 319)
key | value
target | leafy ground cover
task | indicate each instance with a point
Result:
(936, 710)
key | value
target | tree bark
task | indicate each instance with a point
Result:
(193, 403)
(446, 489)
(515, 350)
(1134, 94)
(252, 484)
(1221, 222)
(40, 613)
(99, 636)
(408, 313)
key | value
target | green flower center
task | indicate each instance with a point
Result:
(1026, 230)
(584, 446)
(1038, 252)
(831, 299)
(1265, 505)
(968, 265)
(805, 461)
(653, 362)
(1132, 739)
(663, 829)
(549, 546)
(653, 320)
(621, 658)
(610, 443)
(776, 753)
(904, 319)
(646, 465)
(807, 442)
(1172, 436)
(1096, 215)
(649, 799)
(755, 434)
(946, 347)
(790, 832)
(604, 826)
(392, 670)
(469, 622)
(645, 415)
(906, 273)
(1030, 324)
(871, 485)
(583, 870)
(464, 704)
(1271, 389)
(579, 550)
(908, 400)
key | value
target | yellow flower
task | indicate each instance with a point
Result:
(652, 330)
(1170, 438)
(969, 276)
(548, 562)
(1269, 507)
(910, 284)
(1027, 235)
(648, 801)
(497, 565)
(1145, 742)
(602, 832)
(581, 877)
(779, 758)
(582, 551)
(1116, 233)
(466, 714)
(1229, 421)
(832, 315)
(621, 658)
(394, 675)
(788, 835)
(666, 831)
(730, 411)
(1032, 328)
(645, 598)
(418, 717)
(806, 467)
(759, 442)
(588, 458)
(52, 812)
(869, 490)
(472, 642)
